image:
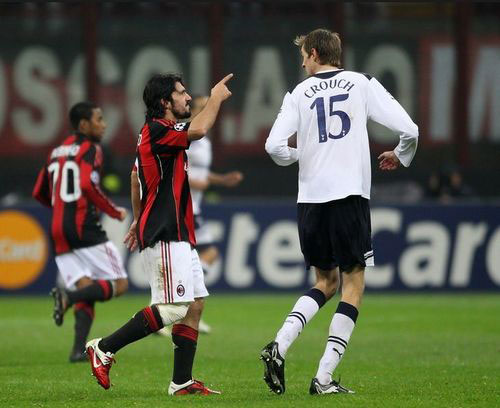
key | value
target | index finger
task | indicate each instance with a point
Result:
(226, 78)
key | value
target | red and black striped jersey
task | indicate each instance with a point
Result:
(69, 183)
(166, 208)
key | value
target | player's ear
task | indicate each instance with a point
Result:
(83, 125)
(166, 104)
(314, 54)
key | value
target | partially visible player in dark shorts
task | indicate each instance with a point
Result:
(336, 233)
(328, 113)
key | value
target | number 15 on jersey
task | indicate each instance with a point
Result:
(319, 104)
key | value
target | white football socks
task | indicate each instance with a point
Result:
(340, 331)
(303, 311)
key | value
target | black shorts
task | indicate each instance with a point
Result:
(336, 233)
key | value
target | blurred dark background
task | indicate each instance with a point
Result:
(440, 60)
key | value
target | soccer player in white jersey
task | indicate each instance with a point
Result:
(200, 179)
(328, 112)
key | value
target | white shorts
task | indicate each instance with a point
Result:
(101, 261)
(175, 272)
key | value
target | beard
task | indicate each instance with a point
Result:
(182, 114)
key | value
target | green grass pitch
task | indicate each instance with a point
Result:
(406, 351)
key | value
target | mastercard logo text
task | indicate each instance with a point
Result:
(23, 249)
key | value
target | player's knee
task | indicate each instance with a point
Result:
(329, 284)
(196, 308)
(83, 282)
(209, 255)
(215, 252)
(352, 291)
(330, 289)
(120, 287)
(172, 313)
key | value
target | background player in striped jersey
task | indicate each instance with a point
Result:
(164, 231)
(86, 259)
(329, 111)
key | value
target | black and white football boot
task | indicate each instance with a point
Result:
(60, 305)
(332, 388)
(274, 368)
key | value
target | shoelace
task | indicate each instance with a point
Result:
(340, 387)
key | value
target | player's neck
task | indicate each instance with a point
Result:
(320, 68)
(169, 116)
(88, 136)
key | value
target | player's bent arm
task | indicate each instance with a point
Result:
(384, 109)
(204, 121)
(284, 127)
(407, 146)
(282, 155)
(41, 191)
(94, 193)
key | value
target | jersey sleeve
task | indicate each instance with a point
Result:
(90, 165)
(284, 127)
(41, 191)
(384, 109)
(167, 139)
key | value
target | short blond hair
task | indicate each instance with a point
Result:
(326, 43)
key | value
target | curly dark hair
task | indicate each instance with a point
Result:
(159, 87)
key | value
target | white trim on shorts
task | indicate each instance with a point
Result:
(369, 259)
(174, 271)
(102, 261)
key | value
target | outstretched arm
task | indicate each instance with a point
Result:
(230, 179)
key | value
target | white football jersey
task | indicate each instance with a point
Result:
(199, 160)
(329, 111)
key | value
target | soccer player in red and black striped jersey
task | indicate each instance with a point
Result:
(86, 259)
(163, 228)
